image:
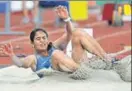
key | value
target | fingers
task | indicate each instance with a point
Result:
(10, 45)
(8, 48)
(57, 11)
(3, 50)
(62, 12)
(64, 9)
(60, 9)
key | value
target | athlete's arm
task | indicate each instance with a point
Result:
(20, 62)
(63, 41)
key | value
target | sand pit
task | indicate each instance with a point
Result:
(18, 79)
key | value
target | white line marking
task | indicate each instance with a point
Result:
(27, 37)
(112, 35)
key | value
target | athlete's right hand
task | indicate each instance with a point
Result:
(8, 49)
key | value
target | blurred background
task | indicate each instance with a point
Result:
(108, 21)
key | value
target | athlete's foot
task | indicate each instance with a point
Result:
(109, 57)
(109, 60)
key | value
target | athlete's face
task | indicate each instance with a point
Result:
(40, 41)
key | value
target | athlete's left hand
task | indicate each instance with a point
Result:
(62, 12)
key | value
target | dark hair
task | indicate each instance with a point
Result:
(34, 31)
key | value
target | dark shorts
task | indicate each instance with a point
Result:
(47, 4)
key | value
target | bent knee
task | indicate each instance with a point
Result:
(57, 54)
(78, 32)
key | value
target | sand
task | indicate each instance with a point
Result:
(18, 79)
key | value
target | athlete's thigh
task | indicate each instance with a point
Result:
(60, 60)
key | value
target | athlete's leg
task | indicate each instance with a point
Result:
(95, 44)
(81, 41)
(59, 59)
(35, 10)
(25, 12)
(62, 62)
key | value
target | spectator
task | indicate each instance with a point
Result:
(26, 18)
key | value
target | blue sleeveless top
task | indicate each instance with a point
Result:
(44, 61)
